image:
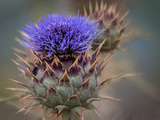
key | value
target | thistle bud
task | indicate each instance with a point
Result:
(111, 19)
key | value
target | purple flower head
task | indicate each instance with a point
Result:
(60, 35)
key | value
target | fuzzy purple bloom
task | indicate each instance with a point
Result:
(60, 35)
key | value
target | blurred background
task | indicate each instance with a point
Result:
(140, 96)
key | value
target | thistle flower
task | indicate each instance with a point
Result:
(64, 72)
(111, 18)
(58, 35)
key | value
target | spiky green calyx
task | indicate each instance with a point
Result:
(111, 19)
(65, 82)
(62, 83)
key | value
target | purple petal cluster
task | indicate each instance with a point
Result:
(60, 35)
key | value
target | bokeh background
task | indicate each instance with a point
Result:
(140, 96)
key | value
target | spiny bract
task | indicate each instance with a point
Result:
(64, 71)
